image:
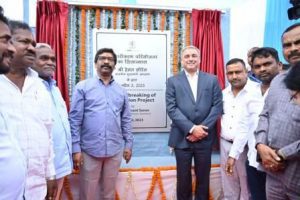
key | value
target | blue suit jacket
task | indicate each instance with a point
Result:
(185, 112)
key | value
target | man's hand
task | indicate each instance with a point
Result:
(77, 160)
(51, 189)
(200, 132)
(192, 138)
(270, 160)
(229, 166)
(127, 155)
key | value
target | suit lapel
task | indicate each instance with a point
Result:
(200, 86)
(186, 85)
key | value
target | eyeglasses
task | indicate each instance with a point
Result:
(103, 58)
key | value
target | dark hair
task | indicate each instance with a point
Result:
(2, 17)
(105, 50)
(292, 80)
(14, 25)
(290, 28)
(265, 52)
(285, 66)
(236, 60)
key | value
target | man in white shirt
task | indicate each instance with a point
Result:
(12, 161)
(265, 66)
(239, 108)
(28, 107)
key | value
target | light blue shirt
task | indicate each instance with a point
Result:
(12, 164)
(61, 133)
(100, 118)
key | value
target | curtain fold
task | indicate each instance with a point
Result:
(51, 23)
(207, 37)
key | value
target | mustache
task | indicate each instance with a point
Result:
(106, 65)
(294, 53)
(8, 55)
(30, 54)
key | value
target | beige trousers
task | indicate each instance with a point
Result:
(98, 177)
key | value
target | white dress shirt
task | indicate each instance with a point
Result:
(12, 163)
(193, 81)
(239, 116)
(29, 116)
(252, 152)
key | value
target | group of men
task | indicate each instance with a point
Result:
(34, 118)
(35, 134)
(260, 138)
(260, 124)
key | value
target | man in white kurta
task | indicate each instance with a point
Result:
(240, 102)
(12, 160)
(27, 105)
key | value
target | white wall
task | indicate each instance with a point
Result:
(13, 8)
(247, 17)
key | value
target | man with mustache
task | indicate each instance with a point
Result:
(27, 104)
(45, 65)
(12, 160)
(265, 66)
(100, 122)
(278, 132)
(240, 107)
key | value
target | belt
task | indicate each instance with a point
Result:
(227, 140)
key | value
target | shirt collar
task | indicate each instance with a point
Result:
(111, 80)
(50, 82)
(188, 75)
(248, 87)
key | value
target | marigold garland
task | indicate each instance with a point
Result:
(67, 188)
(156, 177)
(66, 46)
(65, 57)
(135, 19)
(152, 185)
(82, 44)
(149, 21)
(98, 18)
(117, 196)
(175, 44)
(162, 21)
(114, 19)
(126, 19)
(160, 185)
(188, 29)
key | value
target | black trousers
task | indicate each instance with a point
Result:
(202, 165)
(256, 182)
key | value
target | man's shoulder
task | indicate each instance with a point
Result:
(226, 90)
(207, 75)
(277, 81)
(86, 83)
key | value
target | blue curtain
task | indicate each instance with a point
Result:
(276, 22)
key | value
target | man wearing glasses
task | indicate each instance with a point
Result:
(278, 131)
(100, 122)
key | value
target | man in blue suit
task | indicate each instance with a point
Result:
(194, 103)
